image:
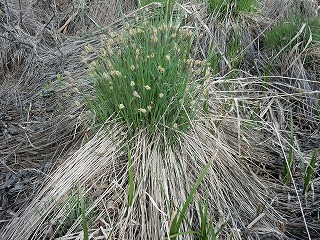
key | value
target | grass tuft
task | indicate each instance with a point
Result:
(233, 7)
(144, 76)
(282, 34)
(309, 171)
(179, 217)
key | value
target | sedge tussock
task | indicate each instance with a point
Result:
(242, 132)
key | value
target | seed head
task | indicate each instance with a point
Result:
(115, 73)
(168, 58)
(88, 48)
(142, 110)
(147, 87)
(149, 108)
(132, 32)
(106, 76)
(189, 61)
(154, 39)
(197, 62)
(136, 94)
(110, 65)
(132, 67)
(175, 125)
(161, 69)
(132, 84)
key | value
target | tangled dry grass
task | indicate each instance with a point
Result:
(48, 149)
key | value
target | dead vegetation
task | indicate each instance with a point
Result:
(48, 149)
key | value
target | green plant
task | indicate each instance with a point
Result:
(179, 217)
(146, 2)
(143, 76)
(76, 206)
(83, 215)
(214, 59)
(309, 172)
(290, 32)
(232, 7)
(48, 88)
(207, 229)
(234, 51)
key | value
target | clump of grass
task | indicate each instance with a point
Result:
(287, 33)
(143, 75)
(146, 2)
(309, 171)
(179, 217)
(75, 209)
(233, 7)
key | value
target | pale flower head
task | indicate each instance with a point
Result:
(189, 61)
(197, 62)
(115, 73)
(121, 106)
(154, 39)
(132, 84)
(106, 76)
(147, 87)
(161, 69)
(168, 57)
(165, 27)
(161, 95)
(132, 31)
(132, 67)
(88, 48)
(142, 110)
(175, 125)
(149, 108)
(136, 94)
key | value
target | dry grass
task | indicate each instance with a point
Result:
(245, 135)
